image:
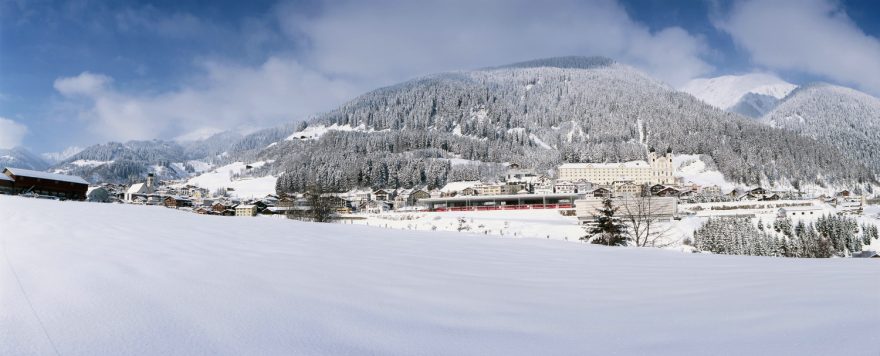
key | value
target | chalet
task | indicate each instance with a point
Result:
(627, 189)
(771, 197)
(600, 193)
(377, 207)
(246, 210)
(656, 188)
(335, 202)
(202, 210)
(668, 192)
(564, 187)
(43, 183)
(177, 202)
(417, 194)
(221, 208)
(543, 187)
(843, 193)
(382, 195)
(452, 189)
(469, 191)
(758, 191)
(748, 197)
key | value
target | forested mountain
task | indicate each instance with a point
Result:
(21, 158)
(844, 118)
(132, 161)
(540, 114)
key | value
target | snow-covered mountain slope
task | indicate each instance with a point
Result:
(844, 118)
(237, 179)
(124, 279)
(20, 157)
(539, 114)
(127, 162)
(750, 94)
(131, 161)
(57, 157)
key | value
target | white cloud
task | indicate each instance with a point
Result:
(812, 36)
(84, 84)
(393, 40)
(11, 133)
(227, 96)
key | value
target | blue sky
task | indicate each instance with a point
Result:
(85, 72)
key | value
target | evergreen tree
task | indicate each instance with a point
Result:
(607, 229)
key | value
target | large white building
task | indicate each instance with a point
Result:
(658, 170)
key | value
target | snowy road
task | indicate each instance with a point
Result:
(132, 280)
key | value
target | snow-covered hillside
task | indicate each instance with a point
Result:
(243, 186)
(845, 118)
(20, 157)
(725, 91)
(56, 157)
(88, 279)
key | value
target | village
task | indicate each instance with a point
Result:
(578, 190)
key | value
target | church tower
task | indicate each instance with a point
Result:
(661, 167)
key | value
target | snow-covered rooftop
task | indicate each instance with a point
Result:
(630, 164)
(5, 177)
(135, 188)
(458, 186)
(20, 172)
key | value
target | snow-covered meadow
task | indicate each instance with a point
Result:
(106, 279)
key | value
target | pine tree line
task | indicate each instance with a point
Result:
(831, 235)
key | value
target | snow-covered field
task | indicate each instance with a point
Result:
(109, 279)
(541, 224)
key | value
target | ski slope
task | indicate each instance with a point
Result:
(110, 279)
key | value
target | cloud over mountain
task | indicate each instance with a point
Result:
(812, 36)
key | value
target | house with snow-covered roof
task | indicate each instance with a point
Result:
(44, 183)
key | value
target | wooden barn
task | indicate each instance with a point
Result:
(177, 202)
(7, 185)
(44, 183)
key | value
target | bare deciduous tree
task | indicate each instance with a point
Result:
(642, 214)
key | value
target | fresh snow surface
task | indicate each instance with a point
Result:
(315, 132)
(539, 142)
(245, 187)
(109, 279)
(88, 163)
(725, 91)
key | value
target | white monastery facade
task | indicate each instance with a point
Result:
(657, 170)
